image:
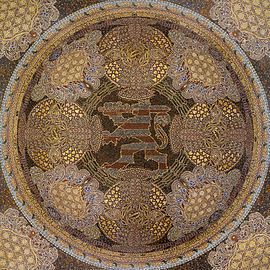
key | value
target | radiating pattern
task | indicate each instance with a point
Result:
(133, 135)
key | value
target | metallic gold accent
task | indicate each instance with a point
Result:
(21, 246)
(135, 58)
(134, 213)
(22, 22)
(248, 22)
(196, 196)
(17, 17)
(56, 133)
(202, 201)
(69, 68)
(16, 251)
(248, 248)
(211, 134)
(253, 253)
(202, 68)
(92, 252)
(72, 193)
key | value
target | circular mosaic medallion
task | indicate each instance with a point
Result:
(56, 133)
(135, 58)
(131, 141)
(211, 134)
(134, 214)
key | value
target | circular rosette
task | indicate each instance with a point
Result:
(134, 213)
(135, 56)
(133, 94)
(212, 135)
(197, 73)
(196, 196)
(56, 133)
(72, 193)
(72, 71)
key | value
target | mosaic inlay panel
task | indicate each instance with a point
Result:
(22, 22)
(134, 136)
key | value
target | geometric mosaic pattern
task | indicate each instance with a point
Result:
(17, 251)
(252, 254)
(252, 17)
(21, 247)
(133, 136)
(16, 18)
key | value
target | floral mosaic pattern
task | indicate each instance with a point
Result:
(211, 134)
(246, 248)
(102, 99)
(72, 72)
(21, 246)
(248, 22)
(135, 56)
(73, 193)
(196, 196)
(22, 22)
(196, 73)
(135, 214)
(57, 133)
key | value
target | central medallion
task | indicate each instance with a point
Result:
(135, 157)
(133, 141)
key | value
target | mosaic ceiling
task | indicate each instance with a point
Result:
(134, 134)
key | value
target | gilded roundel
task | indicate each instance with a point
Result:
(212, 135)
(135, 56)
(135, 213)
(56, 133)
(134, 136)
